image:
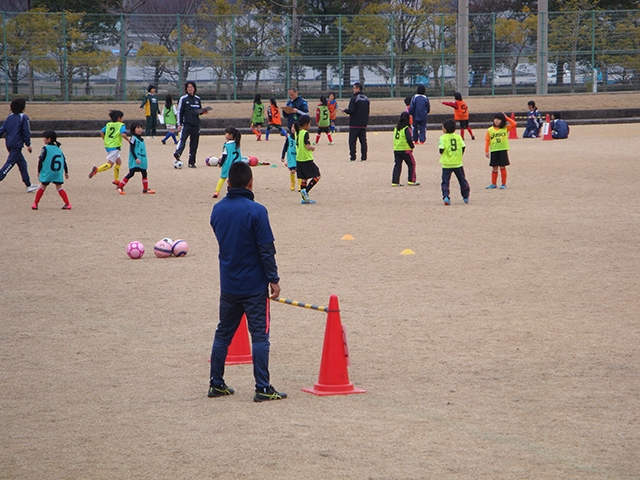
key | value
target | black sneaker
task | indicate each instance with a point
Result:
(192, 165)
(176, 155)
(219, 391)
(269, 393)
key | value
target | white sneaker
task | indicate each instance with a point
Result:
(32, 188)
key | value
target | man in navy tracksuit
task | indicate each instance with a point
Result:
(189, 111)
(247, 271)
(299, 105)
(419, 109)
(358, 111)
(18, 134)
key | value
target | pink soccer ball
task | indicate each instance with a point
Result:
(135, 250)
(180, 248)
(162, 249)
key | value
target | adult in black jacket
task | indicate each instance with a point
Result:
(358, 111)
(189, 111)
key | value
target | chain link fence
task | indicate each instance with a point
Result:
(74, 56)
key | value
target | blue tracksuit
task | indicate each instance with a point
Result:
(247, 267)
(419, 109)
(17, 131)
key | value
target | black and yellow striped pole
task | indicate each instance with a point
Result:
(301, 304)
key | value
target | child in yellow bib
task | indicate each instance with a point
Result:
(308, 171)
(496, 148)
(451, 147)
(112, 134)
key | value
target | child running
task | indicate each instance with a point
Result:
(257, 118)
(534, 121)
(333, 111)
(230, 154)
(170, 115)
(403, 152)
(323, 119)
(52, 167)
(137, 159)
(289, 153)
(306, 168)
(496, 148)
(18, 134)
(451, 146)
(461, 114)
(274, 119)
(112, 134)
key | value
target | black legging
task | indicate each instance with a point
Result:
(132, 171)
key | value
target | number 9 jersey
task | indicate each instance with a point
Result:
(451, 145)
(52, 165)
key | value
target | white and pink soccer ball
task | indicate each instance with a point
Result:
(180, 248)
(135, 250)
(162, 249)
(212, 161)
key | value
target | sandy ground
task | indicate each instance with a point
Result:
(505, 347)
(514, 103)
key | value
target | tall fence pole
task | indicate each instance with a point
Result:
(181, 78)
(288, 59)
(442, 48)
(123, 56)
(462, 65)
(392, 65)
(65, 66)
(233, 55)
(493, 53)
(340, 76)
(543, 46)
(4, 55)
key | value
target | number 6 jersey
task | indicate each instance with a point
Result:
(52, 165)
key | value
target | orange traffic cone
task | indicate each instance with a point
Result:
(240, 349)
(334, 378)
(546, 129)
(513, 133)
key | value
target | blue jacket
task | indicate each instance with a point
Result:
(245, 240)
(301, 105)
(419, 108)
(17, 130)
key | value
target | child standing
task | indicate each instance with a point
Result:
(257, 118)
(150, 105)
(289, 152)
(274, 118)
(403, 152)
(451, 147)
(112, 134)
(461, 114)
(18, 134)
(137, 159)
(170, 115)
(333, 111)
(419, 110)
(496, 148)
(534, 121)
(323, 119)
(52, 167)
(306, 169)
(230, 154)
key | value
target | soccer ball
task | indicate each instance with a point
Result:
(212, 161)
(162, 249)
(168, 240)
(253, 161)
(180, 248)
(177, 164)
(245, 159)
(135, 250)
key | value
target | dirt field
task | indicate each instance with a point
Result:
(514, 103)
(506, 347)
